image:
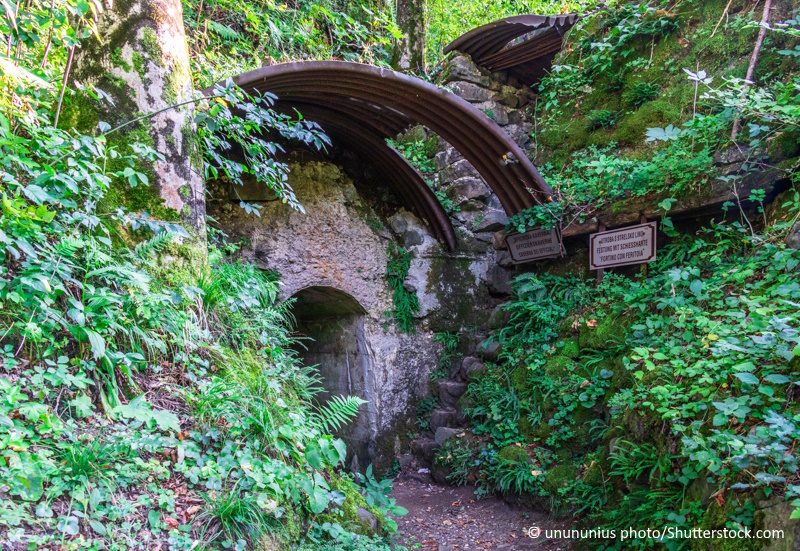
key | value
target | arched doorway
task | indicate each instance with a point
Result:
(332, 323)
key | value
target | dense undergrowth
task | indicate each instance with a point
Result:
(641, 103)
(667, 399)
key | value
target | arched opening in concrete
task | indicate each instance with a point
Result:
(332, 324)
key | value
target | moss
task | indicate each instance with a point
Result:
(139, 65)
(431, 146)
(513, 453)
(631, 129)
(559, 477)
(609, 332)
(558, 366)
(347, 513)
(715, 518)
(118, 61)
(182, 263)
(569, 348)
(594, 475)
(151, 46)
(519, 379)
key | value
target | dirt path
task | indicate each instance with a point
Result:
(446, 518)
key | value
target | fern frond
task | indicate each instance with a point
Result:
(223, 31)
(337, 412)
(158, 242)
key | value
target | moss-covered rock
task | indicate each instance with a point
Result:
(558, 366)
(605, 334)
(513, 453)
(559, 477)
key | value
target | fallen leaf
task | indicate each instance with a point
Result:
(171, 522)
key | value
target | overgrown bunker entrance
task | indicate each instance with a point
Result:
(332, 323)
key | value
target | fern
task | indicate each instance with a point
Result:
(159, 241)
(338, 412)
(224, 31)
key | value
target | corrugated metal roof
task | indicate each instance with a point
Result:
(495, 46)
(362, 105)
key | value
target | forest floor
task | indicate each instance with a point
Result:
(449, 518)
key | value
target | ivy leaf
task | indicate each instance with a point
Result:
(154, 518)
(747, 378)
(68, 525)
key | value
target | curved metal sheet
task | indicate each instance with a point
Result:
(362, 105)
(528, 60)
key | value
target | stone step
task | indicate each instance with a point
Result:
(450, 392)
(443, 434)
(444, 418)
(425, 449)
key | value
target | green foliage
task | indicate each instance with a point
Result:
(424, 409)
(227, 38)
(231, 516)
(642, 93)
(377, 495)
(406, 303)
(338, 412)
(710, 345)
(602, 118)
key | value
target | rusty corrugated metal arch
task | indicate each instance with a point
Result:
(362, 105)
(494, 46)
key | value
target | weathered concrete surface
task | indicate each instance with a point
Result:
(337, 245)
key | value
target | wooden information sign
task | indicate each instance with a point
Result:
(632, 245)
(533, 245)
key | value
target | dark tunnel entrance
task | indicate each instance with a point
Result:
(333, 322)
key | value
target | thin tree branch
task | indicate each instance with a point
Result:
(737, 124)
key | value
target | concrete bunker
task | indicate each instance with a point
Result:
(331, 325)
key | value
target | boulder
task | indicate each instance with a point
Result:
(425, 449)
(499, 241)
(443, 434)
(509, 97)
(471, 92)
(367, 518)
(492, 221)
(450, 392)
(461, 68)
(443, 418)
(470, 187)
(489, 353)
(498, 281)
(793, 239)
(499, 317)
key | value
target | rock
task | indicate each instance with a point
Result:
(509, 97)
(367, 518)
(793, 239)
(443, 418)
(470, 92)
(495, 111)
(439, 474)
(349, 194)
(443, 434)
(413, 237)
(504, 259)
(398, 223)
(415, 134)
(519, 132)
(470, 366)
(489, 353)
(450, 392)
(492, 221)
(425, 449)
(499, 241)
(498, 281)
(462, 169)
(405, 460)
(461, 68)
(499, 317)
(777, 513)
(469, 187)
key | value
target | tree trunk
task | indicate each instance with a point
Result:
(411, 20)
(142, 63)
